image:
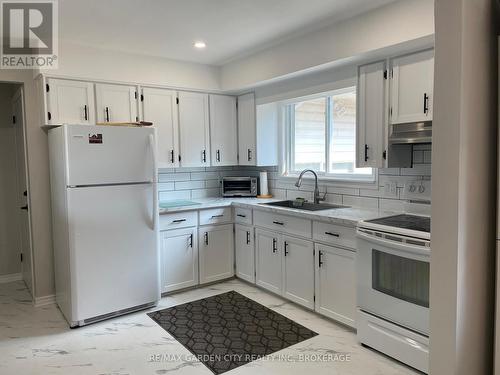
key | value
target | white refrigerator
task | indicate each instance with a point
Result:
(105, 219)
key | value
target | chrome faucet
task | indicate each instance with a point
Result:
(317, 197)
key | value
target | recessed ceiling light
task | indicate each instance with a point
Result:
(200, 44)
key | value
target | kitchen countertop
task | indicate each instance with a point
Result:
(348, 216)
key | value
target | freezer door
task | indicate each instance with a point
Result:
(99, 155)
(113, 249)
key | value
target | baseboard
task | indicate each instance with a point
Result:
(45, 300)
(11, 277)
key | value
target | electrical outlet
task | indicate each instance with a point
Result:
(391, 189)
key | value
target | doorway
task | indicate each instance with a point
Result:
(15, 233)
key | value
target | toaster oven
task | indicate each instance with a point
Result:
(239, 186)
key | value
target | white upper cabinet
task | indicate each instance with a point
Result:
(371, 116)
(194, 129)
(159, 106)
(247, 130)
(116, 103)
(69, 102)
(223, 130)
(412, 82)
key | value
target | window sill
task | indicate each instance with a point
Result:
(332, 181)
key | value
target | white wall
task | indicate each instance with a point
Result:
(463, 189)
(94, 63)
(10, 245)
(386, 26)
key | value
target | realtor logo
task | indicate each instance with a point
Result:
(29, 34)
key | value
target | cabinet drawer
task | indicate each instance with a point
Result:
(334, 234)
(243, 215)
(215, 216)
(283, 223)
(178, 220)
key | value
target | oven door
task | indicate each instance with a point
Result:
(393, 280)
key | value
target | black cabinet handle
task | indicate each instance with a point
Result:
(172, 156)
(216, 216)
(278, 223)
(426, 103)
(286, 248)
(366, 152)
(85, 115)
(217, 155)
(178, 220)
(191, 240)
(204, 156)
(248, 237)
(249, 155)
(320, 258)
(206, 238)
(275, 245)
(240, 215)
(24, 208)
(333, 234)
(107, 114)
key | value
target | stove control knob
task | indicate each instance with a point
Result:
(412, 188)
(421, 188)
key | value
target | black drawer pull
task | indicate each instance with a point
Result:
(333, 234)
(178, 220)
(278, 223)
(216, 216)
(240, 215)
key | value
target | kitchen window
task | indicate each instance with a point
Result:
(321, 135)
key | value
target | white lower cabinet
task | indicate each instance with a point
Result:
(298, 284)
(335, 283)
(285, 265)
(244, 250)
(216, 249)
(269, 271)
(179, 259)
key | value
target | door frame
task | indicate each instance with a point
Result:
(19, 95)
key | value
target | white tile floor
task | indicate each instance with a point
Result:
(38, 341)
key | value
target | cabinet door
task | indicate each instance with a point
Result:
(245, 252)
(116, 103)
(336, 283)
(216, 253)
(267, 120)
(412, 87)
(298, 277)
(70, 102)
(268, 265)
(223, 140)
(246, 129)
(160, 108)
(371, 119)
(194, 129)
(179, 259)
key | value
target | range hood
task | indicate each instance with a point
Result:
(411, 133)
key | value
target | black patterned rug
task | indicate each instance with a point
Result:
(229, 330)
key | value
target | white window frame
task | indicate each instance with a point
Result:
(347, 179)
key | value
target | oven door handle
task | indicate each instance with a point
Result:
(404, 247)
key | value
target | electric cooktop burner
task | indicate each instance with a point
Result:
(411, 222)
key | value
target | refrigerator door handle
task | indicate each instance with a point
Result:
(152, 146)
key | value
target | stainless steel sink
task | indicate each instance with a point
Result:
(306, 206)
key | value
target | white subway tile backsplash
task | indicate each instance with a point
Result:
(189, 185)
(333, 198)
(205, 193)
(173, 195)
(212, 184)
(166, 186)
(294, 194)
(392, 205)
(167, 177)
(364, 202)
(205, 176)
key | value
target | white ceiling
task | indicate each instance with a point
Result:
(168, 28)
